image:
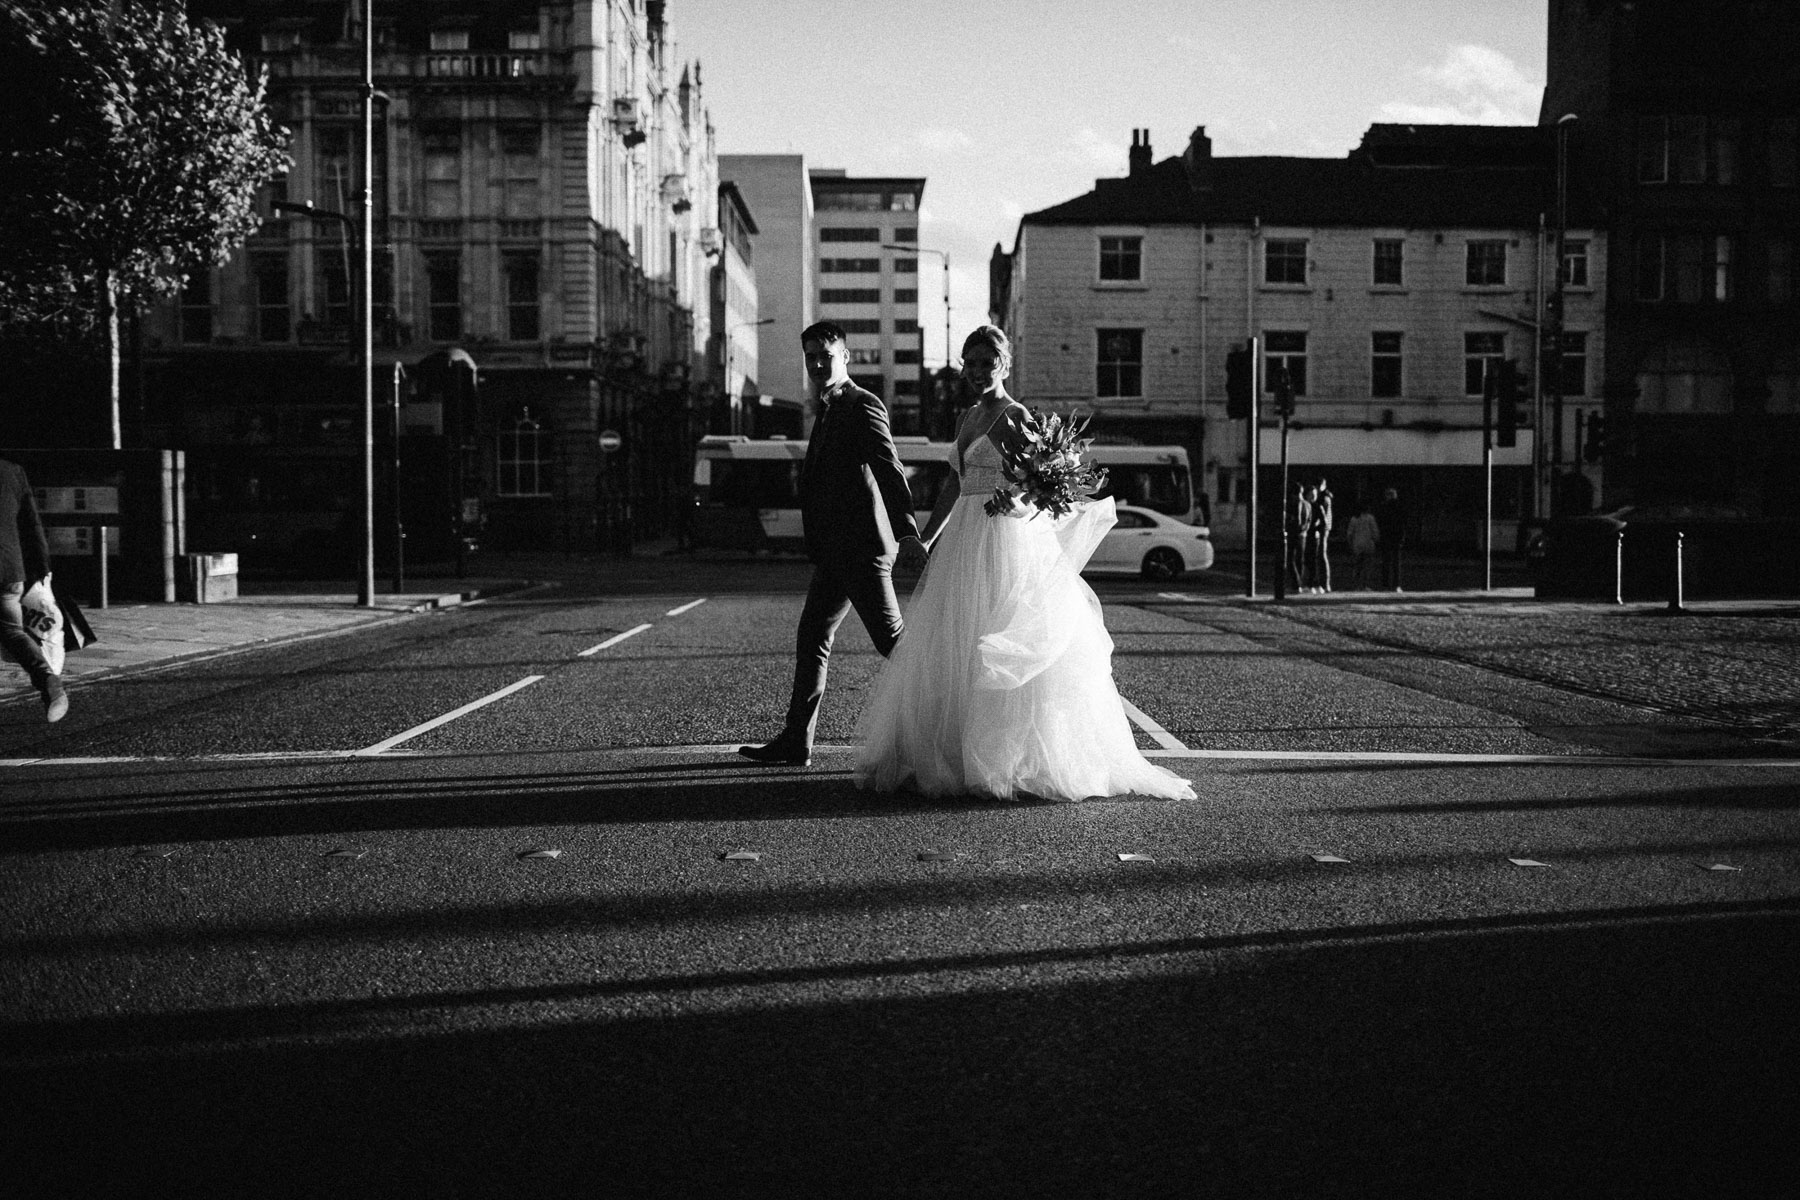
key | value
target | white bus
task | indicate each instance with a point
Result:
(746, 491)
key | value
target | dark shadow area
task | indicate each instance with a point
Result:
(1624, 1058)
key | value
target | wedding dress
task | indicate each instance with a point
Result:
(1002, 683)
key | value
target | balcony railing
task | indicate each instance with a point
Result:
(484, 66)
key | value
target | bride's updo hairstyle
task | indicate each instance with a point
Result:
(993, 337)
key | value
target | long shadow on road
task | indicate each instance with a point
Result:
(1624, 1057)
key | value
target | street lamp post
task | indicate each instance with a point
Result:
(731, 395)
(946, 257)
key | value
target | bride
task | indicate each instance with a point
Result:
(1002, 685)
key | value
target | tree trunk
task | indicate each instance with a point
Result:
(109, 312)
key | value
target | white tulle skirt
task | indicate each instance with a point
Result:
(1002, 683)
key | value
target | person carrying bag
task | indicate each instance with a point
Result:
(30, 634)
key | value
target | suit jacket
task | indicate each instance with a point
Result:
(855, 504)
(24, 551)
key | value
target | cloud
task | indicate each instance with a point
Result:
(1484, 87)
(944, 141)
(1086, 148)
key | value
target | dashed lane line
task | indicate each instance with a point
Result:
(676, 612)
(614, 640)
(387, 744)
(1158, 734)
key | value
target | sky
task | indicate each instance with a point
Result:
(1010, 106)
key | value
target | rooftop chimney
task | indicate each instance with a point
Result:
(1198, 157)
(1140, 151)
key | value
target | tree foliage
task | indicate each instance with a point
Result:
(132, 147)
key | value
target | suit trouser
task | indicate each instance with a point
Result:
(20, 646)
(836, 589)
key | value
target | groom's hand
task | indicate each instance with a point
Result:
(912, 554)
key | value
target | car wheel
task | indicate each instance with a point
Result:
(1163, 563)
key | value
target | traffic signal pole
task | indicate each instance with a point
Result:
(1254, 424)
(1490, 387)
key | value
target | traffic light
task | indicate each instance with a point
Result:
(1237, 384)
(1595, 444)
(1284, 392)
(1511, 394)
(448, 378)
(1552, 327)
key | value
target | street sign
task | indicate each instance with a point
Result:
(610, 440)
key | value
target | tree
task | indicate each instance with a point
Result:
(131, 152)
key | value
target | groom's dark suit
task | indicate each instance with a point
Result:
(854, 506)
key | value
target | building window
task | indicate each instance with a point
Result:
(331, 150)
(1122, 259)
(1575, 262)
(196, 307)
(524, 458)
(1285, 348)
(906, 266)
(1684, 377)
(443, 285)
(1687, 268)
(1284, 260)
(906, 295)
(1119, 363)
(849, 202)
(1688, 149)
(1487, 263)
(1571, 374)
(861, 324)
(849, 233)
(1650, 267)
(1390, 262)
(906, 387)
(521, 296)
(906, 233)
(849, 264)
(1784, 152)
(280, 41)
(443, 173)
(1384, 365)
(849, 295)
(519, 157)
(524, 39)
(449, 39)
(274, 311)
(1722, 287)
(902, 202)
(865, 358)
(902, 357)
(1482, 352)
(903, 325)
(871, 383)
(1781, 272)
(334, 284)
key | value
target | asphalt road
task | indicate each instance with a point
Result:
(240, 959)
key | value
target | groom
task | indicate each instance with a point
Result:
(856, 510)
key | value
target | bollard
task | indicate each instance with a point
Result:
(1676, 597)
(1619, 568)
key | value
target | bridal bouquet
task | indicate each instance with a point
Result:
(1051, 474)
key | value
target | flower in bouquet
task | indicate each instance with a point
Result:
(1050, 470)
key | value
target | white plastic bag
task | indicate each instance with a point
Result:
(44, 622)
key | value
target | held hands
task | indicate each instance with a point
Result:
(912, 554)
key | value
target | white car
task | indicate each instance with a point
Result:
(1147, 543)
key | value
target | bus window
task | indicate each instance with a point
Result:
(926, 479)
(1162, 487)
(755, 483)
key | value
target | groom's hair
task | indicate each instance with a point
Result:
(823, 332)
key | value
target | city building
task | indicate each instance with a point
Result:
(735, 323)
(546, 195)
(1684, 122)
(776, 190)
(1389, 284)
(866, 233)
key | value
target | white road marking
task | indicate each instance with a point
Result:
(676, 612)
(1158, 734)
(614, 640)
(416, 730)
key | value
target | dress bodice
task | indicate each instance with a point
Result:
(982, 468)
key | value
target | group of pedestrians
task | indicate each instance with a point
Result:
(1377, 530)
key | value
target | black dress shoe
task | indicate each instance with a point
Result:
(777, 754)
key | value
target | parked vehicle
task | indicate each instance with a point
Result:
(1147, 543)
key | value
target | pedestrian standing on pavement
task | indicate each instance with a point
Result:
(1390, 514)
(24, 560)
(856, 513)
(1299, 519)
(1365, 541)
(1320, 545)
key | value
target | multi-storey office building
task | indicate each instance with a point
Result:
(545, 201)
(868, 286)
(1686, 125)
(734, 314)
(776, 189)
(1388, 283)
